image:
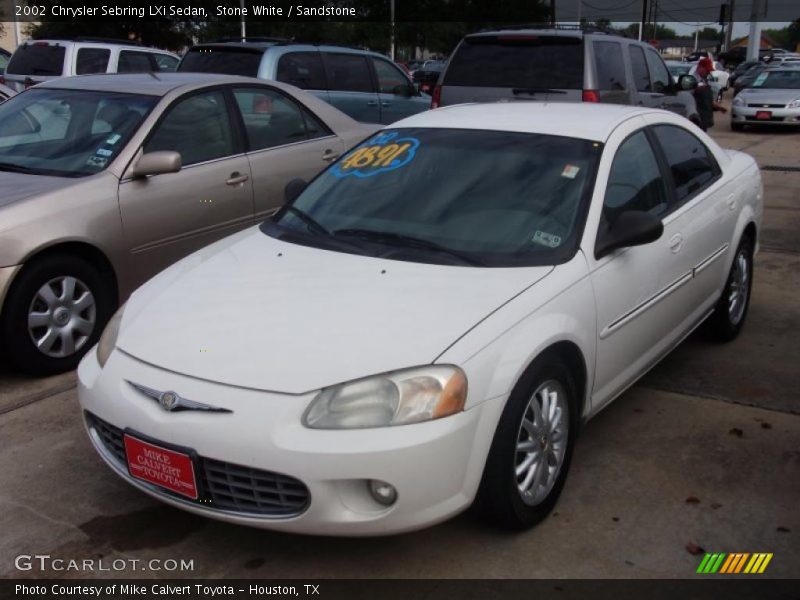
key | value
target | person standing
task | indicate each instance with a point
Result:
(704, 96)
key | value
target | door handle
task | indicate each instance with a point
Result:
(675, 243)
(386, 103)
(236, 178)
(330, 155)
(372, 103)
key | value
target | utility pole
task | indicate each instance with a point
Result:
(391, 33)
(243, 26)
(644, 18)
(754, 39)
(729, 29)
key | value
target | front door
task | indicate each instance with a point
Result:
(635, 311)
(350, 86)
(396, 93)
(166, 217)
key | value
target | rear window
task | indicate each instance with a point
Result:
(518, 61)
(228, 61)
(35, 59)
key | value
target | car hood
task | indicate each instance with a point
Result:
(256, 312)
(769, 96)
(19, 186)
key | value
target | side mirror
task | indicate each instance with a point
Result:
(293, 189)
(631, 228)
(687, 82)
(156, 163)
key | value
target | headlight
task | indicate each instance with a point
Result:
(794, 104)
(109, 338)
(738, 101)
(396, 398)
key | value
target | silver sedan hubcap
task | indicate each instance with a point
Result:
(740, 280)
(541, 442)
(61, 317)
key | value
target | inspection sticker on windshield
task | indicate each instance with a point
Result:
(113, 139)
(97, 161)
(103, 152)
(761, 79)
(570, 171)
(547, 239)
(382, 153)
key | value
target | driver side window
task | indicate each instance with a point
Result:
(635, 182)
(659, 74)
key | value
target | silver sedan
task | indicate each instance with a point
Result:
(773, 99)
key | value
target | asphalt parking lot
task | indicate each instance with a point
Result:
(703, 452)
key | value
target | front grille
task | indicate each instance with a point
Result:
(225, 486)
(766, 106)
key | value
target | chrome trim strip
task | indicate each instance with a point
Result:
(120, 470)
(282, 146)
(173, 402)
(646, 305)
(708, 261)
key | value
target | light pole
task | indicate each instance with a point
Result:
(243, 27)
(391, 32)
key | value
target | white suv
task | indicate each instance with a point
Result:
(39, 60)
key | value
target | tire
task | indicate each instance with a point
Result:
(729, 314)
(500, 499)
(66, 321)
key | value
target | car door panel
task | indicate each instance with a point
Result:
(350, 86)
(394, 103)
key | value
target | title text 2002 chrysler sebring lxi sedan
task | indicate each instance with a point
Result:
(429, 322)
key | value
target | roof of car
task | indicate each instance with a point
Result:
(570, 119)
(151, 84)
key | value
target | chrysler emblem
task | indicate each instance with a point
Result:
(172, 402)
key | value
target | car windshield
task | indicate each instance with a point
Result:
(449, 196)
(781, 80)
(676, 70)
(67, 133)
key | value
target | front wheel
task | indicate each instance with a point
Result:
(729, 314)
(532, 448)
(54, 313)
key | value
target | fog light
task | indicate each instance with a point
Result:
(382, 492)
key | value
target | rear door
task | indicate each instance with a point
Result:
(35, 62)
(136, 61)
(515, 66)
(612, 80)
(303, 69)
(284, 141)
(350, 86)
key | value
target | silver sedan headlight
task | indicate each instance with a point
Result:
(794, 104)
(396, 398)
(738, 101)
(109, 338)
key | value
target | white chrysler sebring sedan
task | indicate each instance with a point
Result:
(429, 323)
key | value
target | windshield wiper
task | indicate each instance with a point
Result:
(536, 90)
(407, 241)
(310, 222)
(14, 168)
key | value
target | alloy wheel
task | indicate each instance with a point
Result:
(62, 316)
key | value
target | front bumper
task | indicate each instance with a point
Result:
(6, 275)
(780, 116)
(435, 466)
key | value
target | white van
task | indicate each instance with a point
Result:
(39, 60)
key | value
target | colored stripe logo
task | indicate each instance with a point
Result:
(734, 563)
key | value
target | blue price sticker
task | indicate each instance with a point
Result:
(385, 152)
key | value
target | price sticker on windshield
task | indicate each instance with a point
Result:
(383, 153)
(760, 79)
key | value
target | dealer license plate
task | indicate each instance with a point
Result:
(764, 114)
(160, 466)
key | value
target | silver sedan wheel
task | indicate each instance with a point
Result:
(739, 288)
(62, 316)
(542, 442)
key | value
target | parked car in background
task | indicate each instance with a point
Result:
(561, 66)
(773, 98)
(717, 79)
(746, 78)
(5, 55)
(784, 60)
(429, 323)
(365, 85)
(697, 55)
(106, 180)
(35, 61)
(428, 74)
(6, 92)
(740, 69)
